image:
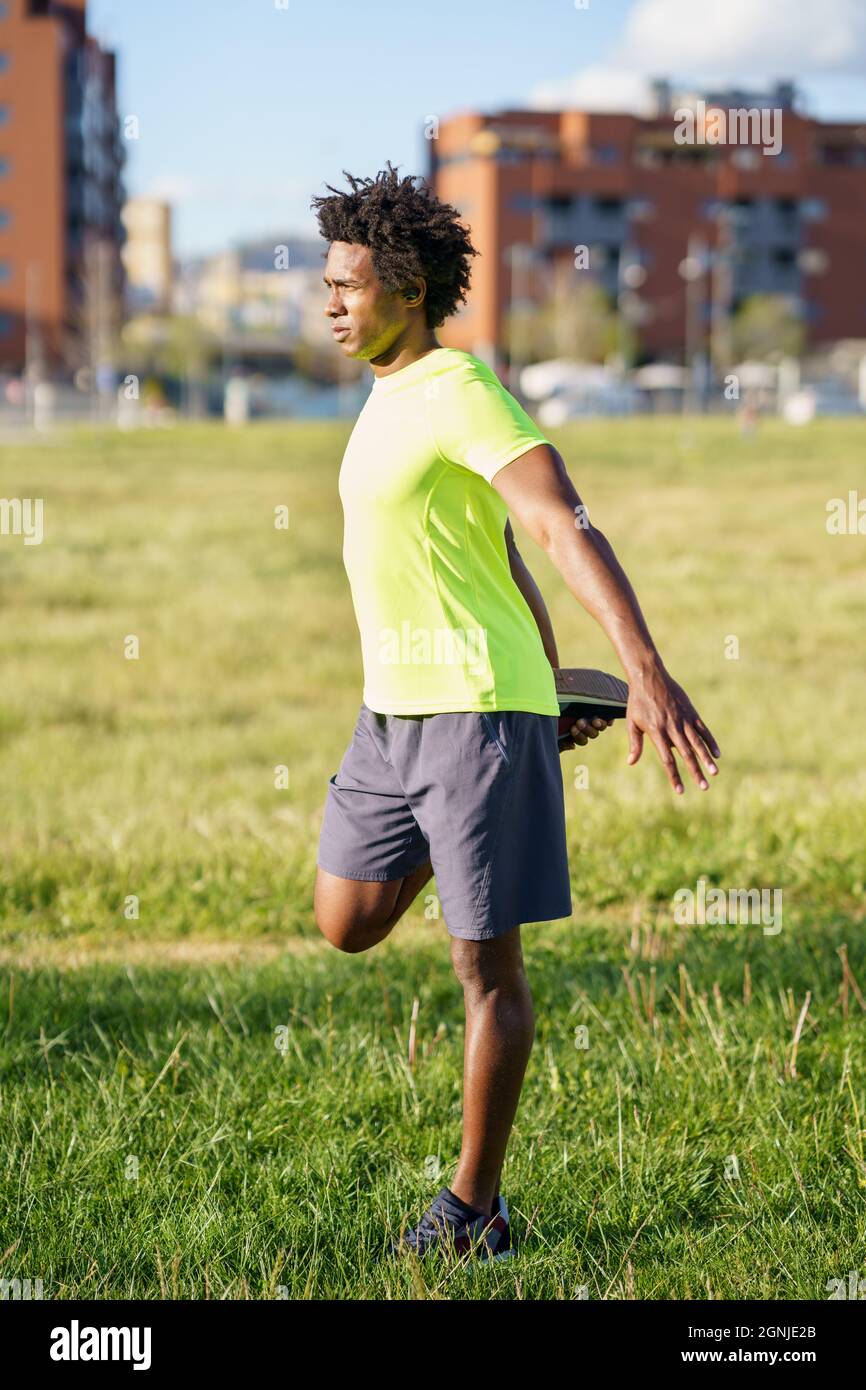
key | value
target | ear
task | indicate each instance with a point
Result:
(415, 294)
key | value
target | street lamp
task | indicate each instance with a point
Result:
(521, 257)
(631, 309)
(692, 270)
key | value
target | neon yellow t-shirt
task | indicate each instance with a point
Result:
(443, 625)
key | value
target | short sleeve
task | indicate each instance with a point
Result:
(476, 423)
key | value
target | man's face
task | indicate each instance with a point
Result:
(366, 318)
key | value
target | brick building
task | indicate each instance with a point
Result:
(61, 277)
(791, 223)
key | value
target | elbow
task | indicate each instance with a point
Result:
(565, 531)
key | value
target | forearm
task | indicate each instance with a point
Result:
(537, 488)
(531, 592)
(587, 563)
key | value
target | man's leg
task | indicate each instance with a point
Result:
(500, 1028)
(355, 915)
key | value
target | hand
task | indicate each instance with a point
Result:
(660, 708)
(581, 731)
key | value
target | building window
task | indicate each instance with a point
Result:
(813, 210)
(445, 161)
(640, 209)
(739, 213)
(842, 156)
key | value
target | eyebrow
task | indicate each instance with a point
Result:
(349, 281)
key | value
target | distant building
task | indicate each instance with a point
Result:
(534, 186)
(147, 255)
(61, 158)
(269, 289)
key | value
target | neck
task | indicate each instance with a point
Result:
(402, 353)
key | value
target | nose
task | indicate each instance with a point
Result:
(334, 306)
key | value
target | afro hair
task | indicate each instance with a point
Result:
(409, 232)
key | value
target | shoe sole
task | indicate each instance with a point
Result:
(478, 1260)
(586, 694)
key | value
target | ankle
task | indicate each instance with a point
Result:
(481, 1199)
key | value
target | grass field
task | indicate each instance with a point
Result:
(156, 1140)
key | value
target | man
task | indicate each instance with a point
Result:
(454, 768)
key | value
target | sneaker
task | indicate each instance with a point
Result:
(449, 1224)
(586, 694)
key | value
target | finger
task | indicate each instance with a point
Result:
(635, 742)
(707, 737)
(700, 748)
(687, 753)
(586, 728)
(599, 723)
(668, 761)
(580, 738)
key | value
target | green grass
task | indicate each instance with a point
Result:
(152, 1037)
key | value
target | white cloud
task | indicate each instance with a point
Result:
(743, 39)
(596, 89)
(749, 43)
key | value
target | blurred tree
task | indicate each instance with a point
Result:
(324, 364)
(576, 321)
(176, 347)
(162, 344)
(767, 327)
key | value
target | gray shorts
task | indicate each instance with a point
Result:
(479, 795)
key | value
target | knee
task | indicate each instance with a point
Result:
(352, 938)
(349, 932)
(483, 967)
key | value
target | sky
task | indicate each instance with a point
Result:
(247, 108)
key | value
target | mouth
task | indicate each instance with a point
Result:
(340, 330)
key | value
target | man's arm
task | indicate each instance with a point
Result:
(531, 592)
(537, 489)
(582, 730)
